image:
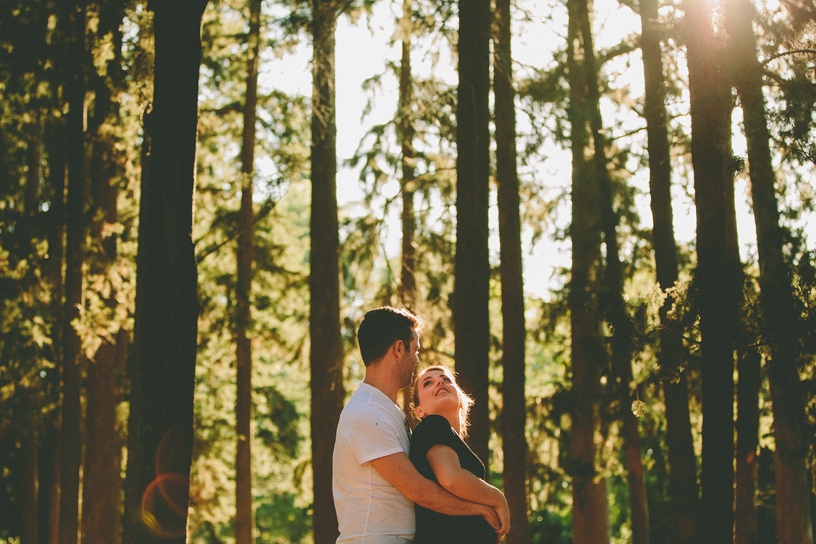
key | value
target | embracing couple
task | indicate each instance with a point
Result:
(392, 486)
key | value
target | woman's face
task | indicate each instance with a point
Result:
(437, 393)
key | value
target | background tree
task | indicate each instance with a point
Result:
(243, 343)
(326, 345)
(671, 357)
(716, 276)
(160, 428)
(514, 332)
(101, 486)
(590, 518)
(471, 319)
(71, 411)
(780, 323)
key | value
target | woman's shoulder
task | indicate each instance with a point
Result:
(433, 423)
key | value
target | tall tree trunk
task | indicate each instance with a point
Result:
(71, 413)
(408, 161)
(408, 294)
(243, 346)
(682, 459)
(590, 511)
(710, 147)
(780, 322)
(471, 320)
(102, 469)
(514, 410)
(326, 348)
(612, 302)
(160, 433)
(48, 457)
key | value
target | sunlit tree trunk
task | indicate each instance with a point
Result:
(780, 322)
(243, 346)
(102, 468)
(471, 321)
(590, 508)
(162, 373)
(717, 286)
(682, 459)
(71, 413)
(514, 409)
(326, 348)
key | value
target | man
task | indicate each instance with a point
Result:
(374, 483)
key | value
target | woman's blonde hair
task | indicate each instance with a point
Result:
(465, 402)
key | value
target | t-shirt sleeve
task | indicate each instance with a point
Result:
(371, 436)
(432, 431)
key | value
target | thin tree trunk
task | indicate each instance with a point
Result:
(780, 322)
(716, 289)
(590, 511)
(243, 346)
(48, 473)
(408, 295)
(28, 452)
(160, 433)
(749, 371)
(682, 459)
(326, 348)
(514, 409)
(71, 413)
(471, 320)
(408, 162)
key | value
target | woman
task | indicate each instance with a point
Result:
(439, 453)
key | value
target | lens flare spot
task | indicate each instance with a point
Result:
(164, 505)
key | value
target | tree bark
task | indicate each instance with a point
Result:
(243, 346)
(408, 290)
(683, 486)
(749, 371)
(71, 412)
(326, 348)
(514, 332)
(102, 470)
(590, 512)
(717, 284)
(160, 433)
(471, 320)
(780, 321)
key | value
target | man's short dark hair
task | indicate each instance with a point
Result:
(383, 326)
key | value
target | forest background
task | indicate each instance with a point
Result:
(184, 258)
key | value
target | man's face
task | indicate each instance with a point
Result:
(410, 360)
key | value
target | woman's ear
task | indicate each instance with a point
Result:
(420, 413)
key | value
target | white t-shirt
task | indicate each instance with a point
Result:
(371, 426)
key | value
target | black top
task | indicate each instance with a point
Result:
(433, 527)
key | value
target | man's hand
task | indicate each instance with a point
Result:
(489, 514)
(503, 513)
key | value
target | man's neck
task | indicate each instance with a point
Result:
(382, 379)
